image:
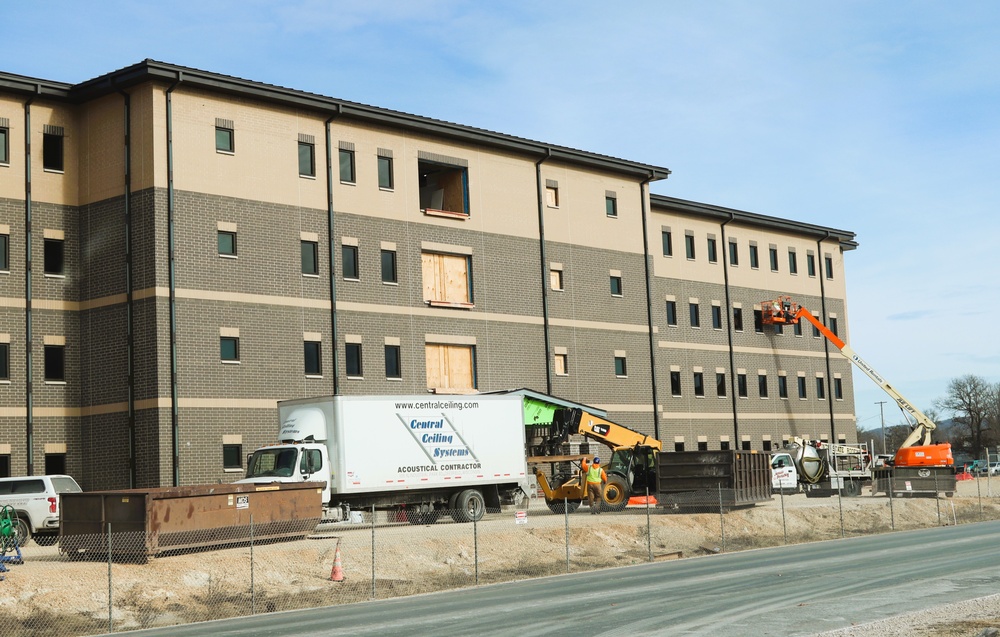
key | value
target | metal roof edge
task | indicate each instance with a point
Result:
(152, 70)
(846, 238)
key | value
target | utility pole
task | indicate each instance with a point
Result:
(881, 412)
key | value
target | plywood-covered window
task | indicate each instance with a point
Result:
(451, 367)
(447, 279)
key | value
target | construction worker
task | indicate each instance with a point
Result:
(595, 477)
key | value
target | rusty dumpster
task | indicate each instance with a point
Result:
(712, 479)
(148, 522)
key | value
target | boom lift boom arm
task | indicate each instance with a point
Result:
(782, 311)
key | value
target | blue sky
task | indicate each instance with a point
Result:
(879, 118)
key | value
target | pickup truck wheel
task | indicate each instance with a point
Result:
(22, 532)
(469, 506)
(562, 506)
(616, 494)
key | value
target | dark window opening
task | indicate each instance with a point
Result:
(443, 188)
(310, 257)
(52, 152)
(232, 456)
(620, 367)
(385, 177)
(668, 247)
(349, 257)
(227, 243)
(307, 159)
(53, 257)
(55, 464)
(699, 384)
(671, 312)
(229, 348)
(393, 362)
(347, 173)
(55, 362)
(389, 266)
(312, 353)
(353, 353)
(225, 140)
(720, 385)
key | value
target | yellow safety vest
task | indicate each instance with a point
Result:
(594, 473)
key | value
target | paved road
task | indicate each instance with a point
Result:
(796, 590)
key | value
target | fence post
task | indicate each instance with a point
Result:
(892, 496)
(475, 545)
(979, 492)
(649, 529)
(840, 501)
(373, 551)
(253, 590)
(937, 499)
(722, 520)
(110, 604)
(784, 523)
(566, 520)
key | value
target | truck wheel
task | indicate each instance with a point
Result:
(423, 514)
(562, 506)
(469, 506)
(616, 494)
(22, 532)
(852, 488)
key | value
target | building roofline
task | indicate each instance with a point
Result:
(718, 213)
(152, 70)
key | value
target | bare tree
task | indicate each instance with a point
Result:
(970, 399)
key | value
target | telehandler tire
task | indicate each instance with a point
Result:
(562, 506)
(616, 494)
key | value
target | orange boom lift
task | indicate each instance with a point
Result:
(916, 450)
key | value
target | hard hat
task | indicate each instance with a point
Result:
(597, 460)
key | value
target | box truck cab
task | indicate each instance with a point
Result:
(420, 455)
(784, 475)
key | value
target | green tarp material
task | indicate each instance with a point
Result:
(538, 412)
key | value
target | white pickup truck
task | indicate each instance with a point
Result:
(35, 501)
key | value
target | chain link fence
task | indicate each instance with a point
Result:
(127, 579)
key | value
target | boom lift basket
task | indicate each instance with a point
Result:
(779, 311)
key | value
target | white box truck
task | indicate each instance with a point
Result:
(421, 455)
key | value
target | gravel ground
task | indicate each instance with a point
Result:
(966, 619)
(50, 595)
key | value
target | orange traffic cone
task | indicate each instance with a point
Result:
(337, 574)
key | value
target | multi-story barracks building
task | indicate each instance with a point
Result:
(181, 249)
